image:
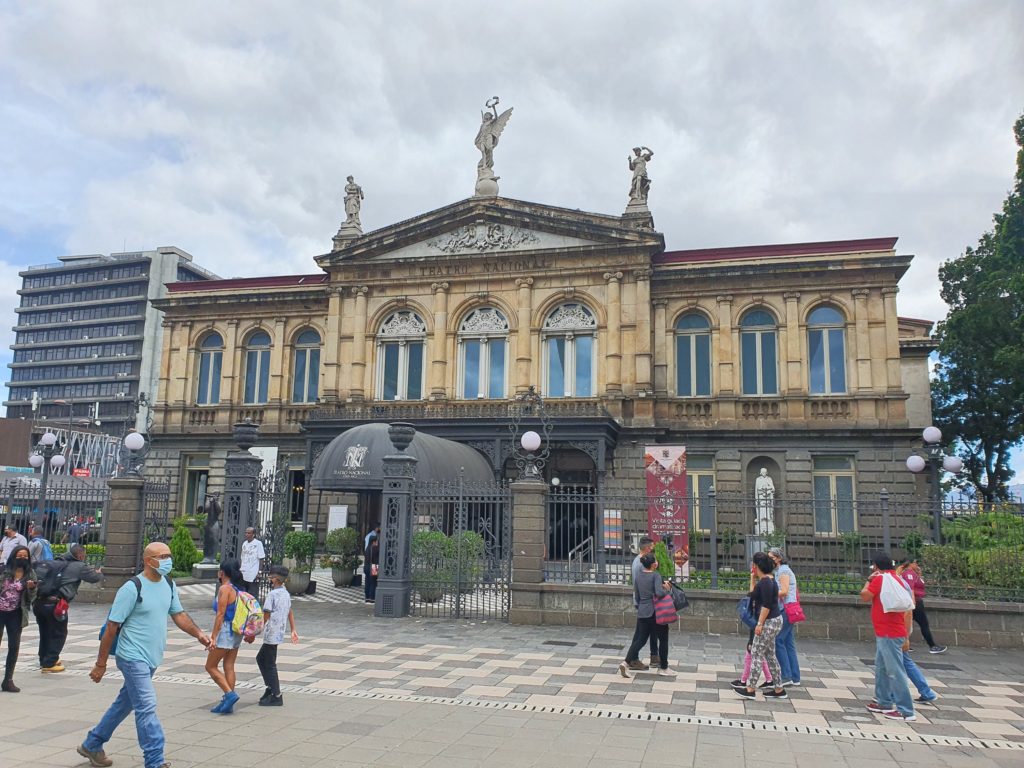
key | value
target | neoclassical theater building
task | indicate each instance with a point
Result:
(787, 357)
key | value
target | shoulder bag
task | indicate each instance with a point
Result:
(794, 611)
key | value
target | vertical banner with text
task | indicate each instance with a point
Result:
(667, 504)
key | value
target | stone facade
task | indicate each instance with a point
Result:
(405, 316)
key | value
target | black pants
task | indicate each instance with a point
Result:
(369, 585)
(53, 633)
(266, 660)
(250, 586)
(11, 622)
(658, 635)
(922, 621)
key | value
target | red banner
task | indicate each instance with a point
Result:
(667, 505)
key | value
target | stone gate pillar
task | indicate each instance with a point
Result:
(394, 580)
(241, 484)
(528, 510)
(124, 531)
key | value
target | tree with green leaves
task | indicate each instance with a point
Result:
(978, 390)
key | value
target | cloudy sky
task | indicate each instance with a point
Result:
(227, 129)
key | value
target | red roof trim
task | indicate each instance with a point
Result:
(272, 281)
(777, 251)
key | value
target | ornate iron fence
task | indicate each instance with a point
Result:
(156, 509)
(273, 519)
(461, 553)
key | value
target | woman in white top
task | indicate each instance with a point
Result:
(785, 643)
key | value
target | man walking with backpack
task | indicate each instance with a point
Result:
(137, 623)
(38, 546)
(59, 580)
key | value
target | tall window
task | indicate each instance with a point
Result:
(211, 354)
(306, 370)
(826, 350)
(257, 368)
(483, 346)
(758, 345)
(700, 477)
(400, 348)
(569, 352)
(833, 495)
(693, 356)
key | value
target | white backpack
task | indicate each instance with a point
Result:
(896, 597)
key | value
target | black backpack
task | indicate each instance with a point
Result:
(51, 583)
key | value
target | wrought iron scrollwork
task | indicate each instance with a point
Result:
(529, 406)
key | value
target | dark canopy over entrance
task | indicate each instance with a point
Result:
(354, 460)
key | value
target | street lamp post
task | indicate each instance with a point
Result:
(934, 460)
(12, 486)
(46, 457)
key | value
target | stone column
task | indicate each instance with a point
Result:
(523, 340)
(330, 373)
(241, 485)
(124, 532)
(277, 391)
(726, 375)
(643, 330)
(893, 380)
(439, 364)
(229, 379)
(661, 350)
(357, 390)
(613, 355)
(862, 339)
(183, 374)
(794, 361)
(394, 581)
(528, 528)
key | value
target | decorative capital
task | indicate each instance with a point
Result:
(643, 273)
(359, 290)
(791, 295)
(890, 291)
(613, 277)
(439, 287)
(860, 293)
(524, 282)
(659, 303)
(724, 298)
(569, 292)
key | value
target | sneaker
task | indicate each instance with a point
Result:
(637, 665)
(744, 693)
(58, 667)
(874, 706)
(767, 684)
(776, 694)
(624, 670)
(96, 758)
(897, 715)
(937, 649)
(923, 700)
(275, 701)
(655, 661)
(230, 699)
(666, 672)
(737, 683)
(790, 683)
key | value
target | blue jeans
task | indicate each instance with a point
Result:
(917, 678)
(137, 694)
(785, 650)
(891, 684)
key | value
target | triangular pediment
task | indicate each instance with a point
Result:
(493, 227)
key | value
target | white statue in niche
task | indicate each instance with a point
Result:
(764, 504)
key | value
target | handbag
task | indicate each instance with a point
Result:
(374, 569)
(679, 598)
(745, 614)
(665, 610)
(794, 611)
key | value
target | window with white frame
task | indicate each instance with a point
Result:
(257, 369)
(306, 367)
(700, 478)
(400, 354)
(569, 338)
(826, 351)
(483, 354)
(758, 350)
(211, 357)
(834, 498)
(693, 356)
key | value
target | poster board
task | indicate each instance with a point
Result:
(337, 516)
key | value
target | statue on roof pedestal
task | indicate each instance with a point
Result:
(491, 126)
(637, 213)
(351, 227)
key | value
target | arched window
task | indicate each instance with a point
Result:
(306, 369)
(483, 350)
(257, 368)
(826, 351)
(693, 356)
(400, 347)
(569, 351)
(758, 344)
(211, 355)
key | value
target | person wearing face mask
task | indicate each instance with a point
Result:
(138, 620)
(17, 592)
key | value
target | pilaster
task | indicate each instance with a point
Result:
(894, 382)
(726, 336)
(661, 348)
(642, 354)
(330, 373)
(356, 388)
(524, 321)
(613, 343)
(439, 364)
(794, 360)
(862, 339)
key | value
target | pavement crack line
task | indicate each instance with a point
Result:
(615, 714)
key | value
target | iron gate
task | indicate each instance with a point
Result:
(156, 509)
(273, 519)
(461, 550)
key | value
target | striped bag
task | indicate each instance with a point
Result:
(665, 610)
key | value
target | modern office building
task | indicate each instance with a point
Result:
(88, 342)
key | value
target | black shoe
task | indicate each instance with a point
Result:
(767, 684)
(737, 683)
(272, 701)
(744, 693)
(266, 695)
(773, 694)
(937, 649)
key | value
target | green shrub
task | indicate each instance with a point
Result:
(998, 567)
(343, 548)
(947, 562)
(776, 538)
(464, 554)
(666, 566)
(301, 546)
(183, 549)
(913, 543)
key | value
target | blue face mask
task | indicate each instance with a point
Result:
(165, 566)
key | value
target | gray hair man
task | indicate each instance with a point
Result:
(644, 546)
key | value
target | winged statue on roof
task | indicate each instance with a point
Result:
(491, 126)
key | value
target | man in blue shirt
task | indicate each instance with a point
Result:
(138, 619)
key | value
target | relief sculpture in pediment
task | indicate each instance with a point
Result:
(483, 237)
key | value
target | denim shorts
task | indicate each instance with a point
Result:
(226, 638)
